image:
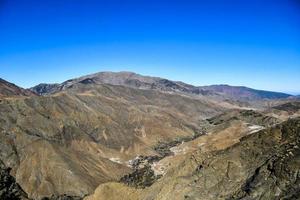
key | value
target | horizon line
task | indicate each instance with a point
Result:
(126, 71)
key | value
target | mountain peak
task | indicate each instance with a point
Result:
(134, 80)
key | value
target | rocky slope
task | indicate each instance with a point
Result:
(43, 88)
(285, 110)
(8, 89)
(263, 165)
(70, 142)
(247, 116)
(9, 189)
(290, 107)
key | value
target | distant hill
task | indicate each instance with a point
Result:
(130, 79)
(8, 89)
(240, 92)
(289, 107)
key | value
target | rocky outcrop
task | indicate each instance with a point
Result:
(9, 189)
(278, 176)
(264, 165)
(43, 88)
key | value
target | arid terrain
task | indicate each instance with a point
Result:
(121, 135)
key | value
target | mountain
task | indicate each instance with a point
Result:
(130, 79)
(8, 89)
(244, 93)
(74, 140)
(126, 136)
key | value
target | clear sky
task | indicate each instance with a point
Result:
(255, 43)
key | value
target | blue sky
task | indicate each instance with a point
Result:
(238, 42)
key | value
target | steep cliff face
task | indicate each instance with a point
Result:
(263, 165)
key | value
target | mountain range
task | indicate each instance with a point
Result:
(121, 135)
(134, 80)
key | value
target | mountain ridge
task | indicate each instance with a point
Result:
(131, 79)
(8, 89)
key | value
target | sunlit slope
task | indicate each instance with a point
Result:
(263, 165)
(70, 142)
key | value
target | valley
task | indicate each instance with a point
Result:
(126, 136)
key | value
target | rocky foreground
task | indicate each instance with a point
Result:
(263, 165)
